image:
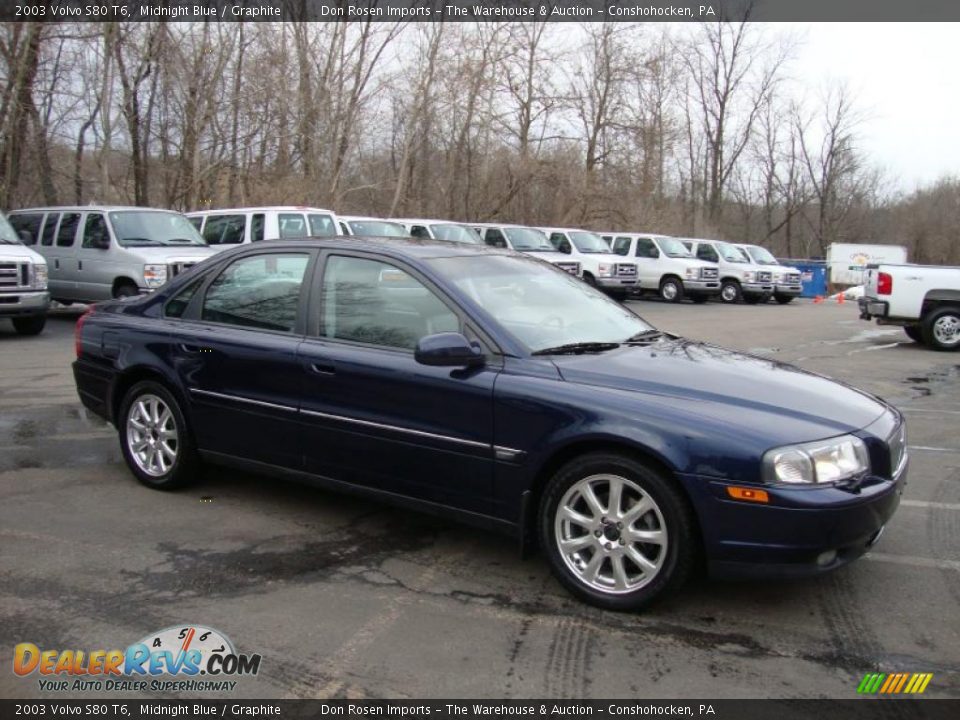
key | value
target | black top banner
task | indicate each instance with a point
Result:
(480, 10)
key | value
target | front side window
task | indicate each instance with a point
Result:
(560, 242)
(372, 302)
(154, 228)
(621, 246)
(419, 231)
(262, 291)
(705, 252)
(95, 233)
(29, 223)
(224, 229)
(646, 248)
(495, 238)
(68, 229)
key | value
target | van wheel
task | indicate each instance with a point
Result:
(730, 292)
(155, 439)
(617, 533)
(126, 290)
(29, 325)
(941, 329)
(671, 290)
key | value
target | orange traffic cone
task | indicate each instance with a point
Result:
(840, 299)
(818, 299)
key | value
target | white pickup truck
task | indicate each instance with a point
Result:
(924, 299)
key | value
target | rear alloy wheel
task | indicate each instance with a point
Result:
(914, 333)
(617, 533)
(671, 290)
(730, 292)
(154, 437)
(30, 325)
(941, 329)
(783, 299)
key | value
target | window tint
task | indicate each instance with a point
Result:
(262, 291)
(30, 223)
(495, 238)
(292, 225)
(224, 229)
(372, 302)
(256, 227)
(419, 231)
(49, 229)
(177, 305)
(705, 252)
(95, 233)
(321, 225)
(68, 229)
(621, 246)
(646, 248)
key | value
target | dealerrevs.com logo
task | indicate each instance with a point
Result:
(176, 659)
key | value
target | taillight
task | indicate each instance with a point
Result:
(78, 332)
(884, 283)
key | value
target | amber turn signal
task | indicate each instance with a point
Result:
(749, 494)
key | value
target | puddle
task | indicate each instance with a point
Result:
(925, 385)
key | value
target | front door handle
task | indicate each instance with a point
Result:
(191, 349)
(322, 368)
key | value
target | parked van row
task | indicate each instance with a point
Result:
(23, 283)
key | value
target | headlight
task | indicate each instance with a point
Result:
(691, 273)
(40, 276)
(748, 275)
(605, 270)
(154, 275)
(827, 461)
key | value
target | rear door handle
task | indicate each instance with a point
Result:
(322, 368)
(191, 349)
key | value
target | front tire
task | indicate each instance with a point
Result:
(671, 290)
(29, 325)
(617, 533)
(730, 292)
(155, 439)
(941, 329)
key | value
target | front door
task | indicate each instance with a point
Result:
(372, 414)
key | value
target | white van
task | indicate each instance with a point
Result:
(371, 227)
(440, 230)
(665, 266)
(234, 226)
(98, 252)
(526, 240)
(23, 283)
(741, 280)
(787, 281)
(601, 268)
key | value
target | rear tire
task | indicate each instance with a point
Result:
(619, 554)
(155, 439)
(671, 290)
(29, 325)
(730, 292)
(941, 329)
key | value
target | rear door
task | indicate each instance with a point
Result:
(235, 350)
(372, 414)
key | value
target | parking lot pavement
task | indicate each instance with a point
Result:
(350, 598)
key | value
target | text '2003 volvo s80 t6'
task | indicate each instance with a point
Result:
(482, 383)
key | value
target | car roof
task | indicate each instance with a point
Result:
(392, 246)
(92, 208)
(427, 221)
(499, 225)
(350, 218)
(261, 208)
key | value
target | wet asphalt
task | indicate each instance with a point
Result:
(350, 598)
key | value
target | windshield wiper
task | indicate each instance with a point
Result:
(645, 336)
(577, 348)
(181, 241)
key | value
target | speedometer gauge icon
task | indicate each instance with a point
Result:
(181, 639)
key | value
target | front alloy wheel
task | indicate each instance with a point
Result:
(730, 292)
(671, 290)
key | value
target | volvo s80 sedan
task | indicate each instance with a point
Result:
(481, 383)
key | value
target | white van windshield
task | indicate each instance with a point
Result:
(761, 256)
(378, 228)
(456, 233)
(674, 248)
(142, 228)
(731, 253)
(588, 243)
(528, 240)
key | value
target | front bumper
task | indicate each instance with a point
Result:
(611, 283)
(791, 290)
(702, 286)
(801, 532)
(756, 288)
(28, 302)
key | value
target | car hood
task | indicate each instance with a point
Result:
(728, 386)
(19, 253)
(549, 256)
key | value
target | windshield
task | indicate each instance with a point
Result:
(761, 256)
(587, 242)
(542, 307)
(378, 228)
(7, 234)
(528, 239)
(456, 233)
(139, 228)
(730, 253)
(674, 248)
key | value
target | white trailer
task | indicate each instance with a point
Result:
(846, 261)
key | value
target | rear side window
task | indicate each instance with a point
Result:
(49, 229)
(177, 305)
(256, 227)
(621, 246)
(322, 225)
(68, 229)
(224, 229)
(95, 233)
(292, 225)
(30, 223)
(262, 291)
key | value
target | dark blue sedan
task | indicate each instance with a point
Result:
(479, 383)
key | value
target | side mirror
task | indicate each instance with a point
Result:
(26, 237)
(447, 349)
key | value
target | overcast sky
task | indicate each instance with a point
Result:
(906, 78)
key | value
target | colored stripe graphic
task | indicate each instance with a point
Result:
(895, 683)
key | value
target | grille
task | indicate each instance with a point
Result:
(14, 275)
(572, 268)
(177, 268)
(764, 276)
(897, 444)
(709, 273)
(793, 278)
(626, 270)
